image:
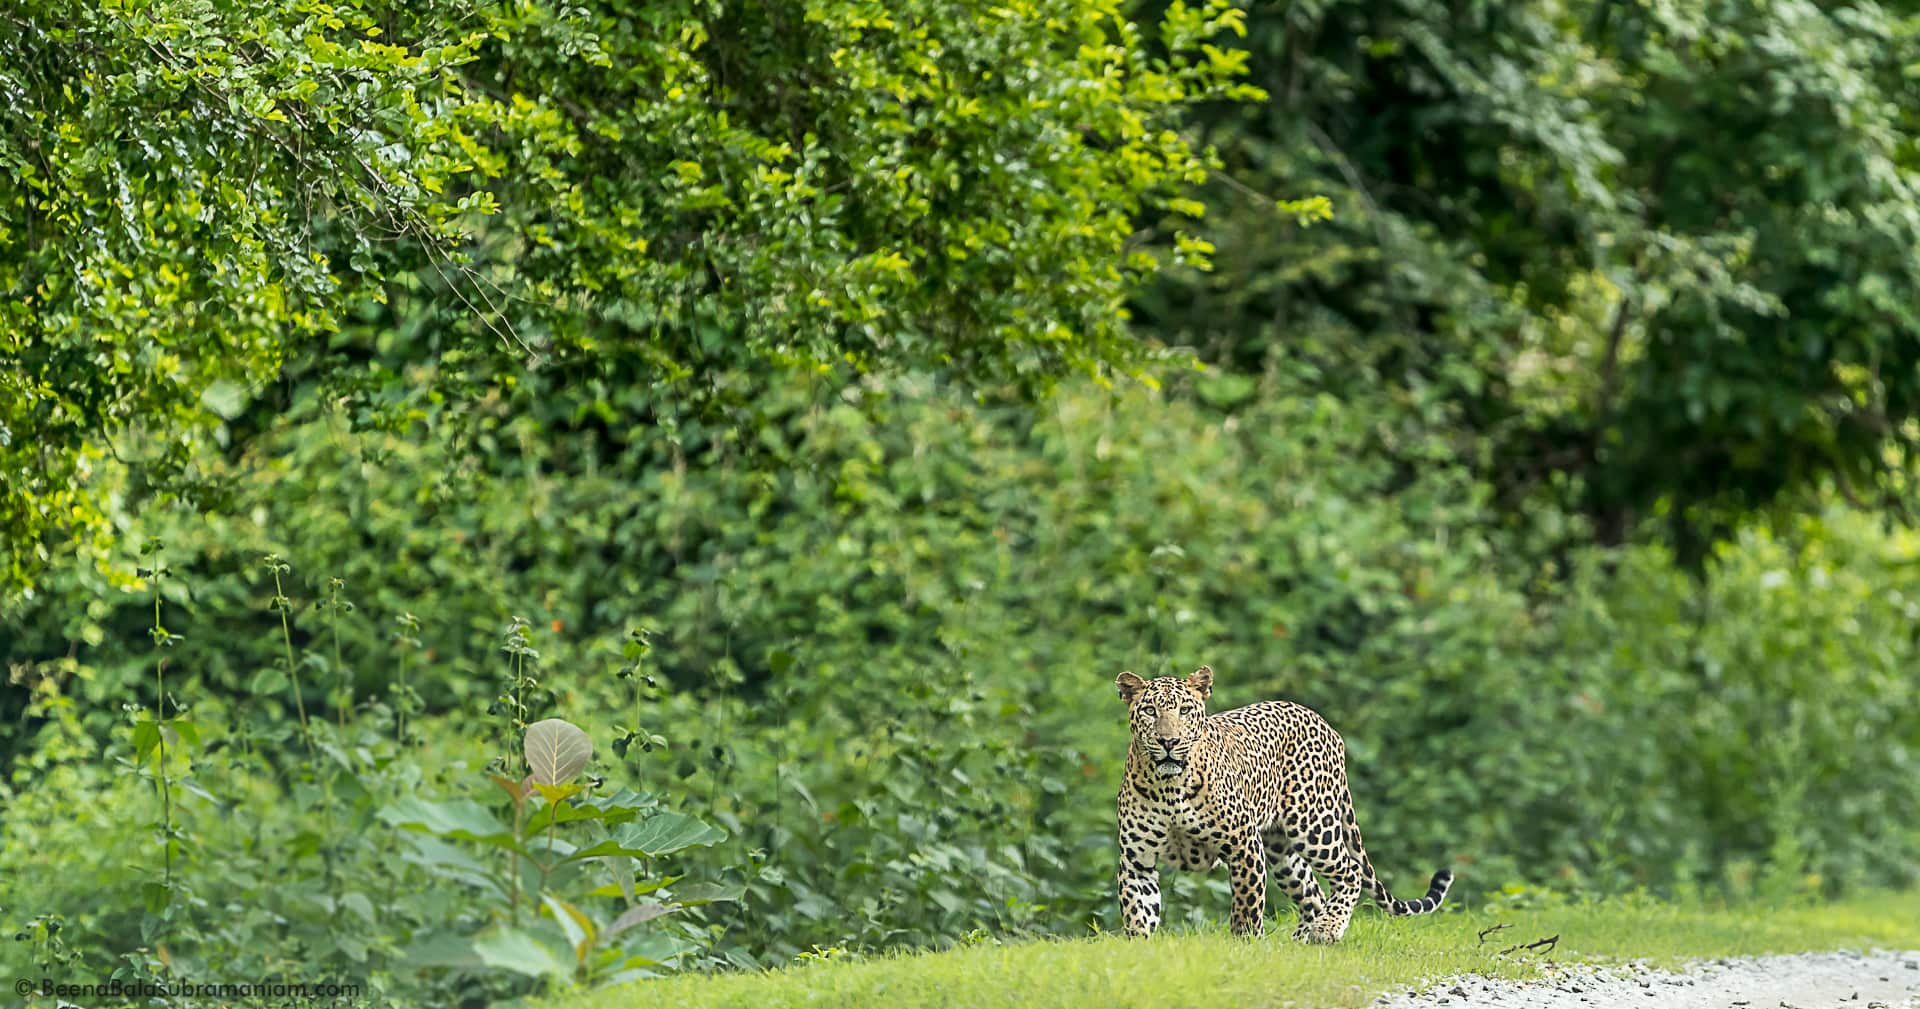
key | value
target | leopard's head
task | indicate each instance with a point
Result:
(1166, 713)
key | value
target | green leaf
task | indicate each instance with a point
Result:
(637, 915)
(621, 868)
(705, 892)
(457, 818)
(621, 805)
(633, 890)
(187, 732)
(448, 861)
(514, 950)
(146, 737)
(558, 848)
(359, 905)
(656, 949)
(661, 834)
(224, 397)
(269, 680)
(442, 949)
(578, 927)
(571, 812)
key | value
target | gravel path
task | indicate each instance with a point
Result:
(1845, 980)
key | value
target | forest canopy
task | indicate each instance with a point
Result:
(1660, 258)
(684, 199)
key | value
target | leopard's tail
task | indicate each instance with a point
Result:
(1370, 881)
(1436, 892)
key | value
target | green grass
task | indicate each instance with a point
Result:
(1212, 968)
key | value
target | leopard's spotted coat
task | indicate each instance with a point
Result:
(1261, 788)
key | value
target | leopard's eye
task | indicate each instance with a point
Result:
(1147, 711)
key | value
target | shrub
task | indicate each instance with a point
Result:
(884, 668)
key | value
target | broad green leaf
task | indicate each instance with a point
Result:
(457, 818)
(626, 799)
(443, 949)
(557, 751)
(660, 834)
(578, 927)
(572, 812)
(656, 949)
(514, 950)
(454, 862)
(636, 915)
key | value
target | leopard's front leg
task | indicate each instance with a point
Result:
(1247, 865)
(1139, 897)
(1143, 837)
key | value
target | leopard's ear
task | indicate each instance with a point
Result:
(1129, 685)
(1200, 681)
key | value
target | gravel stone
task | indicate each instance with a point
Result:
(1794, 981)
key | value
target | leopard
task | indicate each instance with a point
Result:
(1262, 789)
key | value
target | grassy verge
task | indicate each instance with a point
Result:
(1212, 968)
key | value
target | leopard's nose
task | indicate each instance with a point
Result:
(1168, 743)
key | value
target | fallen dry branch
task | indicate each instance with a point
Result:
(1549, 942)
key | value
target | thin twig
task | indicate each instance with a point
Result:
(406, 221)
(1610, 364)
(1549, 942)
(1323, 140)
(1242, 188)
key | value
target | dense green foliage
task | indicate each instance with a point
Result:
(705, 379)
(680, 203)
(886, 673)
(1659, 255)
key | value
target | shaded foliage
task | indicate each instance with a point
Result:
(1659, 255)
